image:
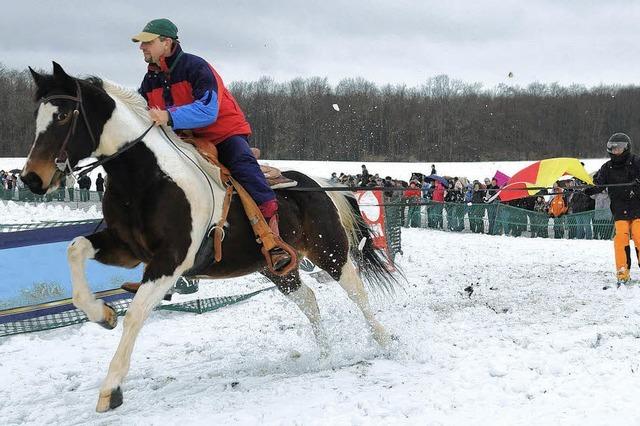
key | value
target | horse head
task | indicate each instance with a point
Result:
(69, 119)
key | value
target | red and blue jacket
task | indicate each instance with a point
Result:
(194, 95)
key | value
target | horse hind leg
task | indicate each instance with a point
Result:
(302, 295)
(351, 282)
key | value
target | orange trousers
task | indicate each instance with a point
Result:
(625, 231)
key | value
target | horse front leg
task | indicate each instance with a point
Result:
(155, 284)
(107, 249)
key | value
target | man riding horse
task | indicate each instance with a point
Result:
(185, 92)
(159, 208)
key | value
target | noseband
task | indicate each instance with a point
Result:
(62, 159)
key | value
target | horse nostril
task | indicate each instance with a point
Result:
(33, 181)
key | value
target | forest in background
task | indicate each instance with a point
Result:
(441, 120)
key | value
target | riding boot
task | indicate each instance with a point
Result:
(279, 257)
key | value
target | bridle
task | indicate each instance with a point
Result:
(62, 159)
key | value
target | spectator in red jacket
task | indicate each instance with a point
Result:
(413, 196)
(434, 210)
(438, 193)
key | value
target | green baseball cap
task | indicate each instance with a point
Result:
(155, 29)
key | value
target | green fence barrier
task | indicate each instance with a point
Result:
(55, 320)
(200, 306)
(501, 219)
(70, 316)
(393, 224)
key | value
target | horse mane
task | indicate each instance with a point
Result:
(131, 98)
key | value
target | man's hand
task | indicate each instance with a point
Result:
(158, 116)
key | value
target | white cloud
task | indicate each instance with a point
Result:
(405, 41)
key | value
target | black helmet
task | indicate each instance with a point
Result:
(619, 140)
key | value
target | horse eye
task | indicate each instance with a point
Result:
(61, 116)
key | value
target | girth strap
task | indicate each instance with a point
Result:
(218, 233)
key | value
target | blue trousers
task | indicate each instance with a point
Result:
(235, 154)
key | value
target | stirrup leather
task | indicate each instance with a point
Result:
(263, 232)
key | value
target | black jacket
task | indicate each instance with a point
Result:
(84, 182)
(581, 202)
(625, 200)
(478, 196)
(100, 184)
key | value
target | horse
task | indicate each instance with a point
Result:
(159, 205)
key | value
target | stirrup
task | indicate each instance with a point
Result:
(279, 258)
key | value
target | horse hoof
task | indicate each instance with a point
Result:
(383, 339)
(110, 318)
(109, 400)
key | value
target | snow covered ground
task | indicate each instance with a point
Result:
(12, 212)
(538, 342)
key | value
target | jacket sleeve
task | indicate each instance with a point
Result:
(600, 178)
(636, 167)
(204, 109)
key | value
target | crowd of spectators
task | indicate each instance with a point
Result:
(12, 188)
(425, 200)
(430, 199)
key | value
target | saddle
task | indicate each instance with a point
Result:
(273, 175)
(263, 232)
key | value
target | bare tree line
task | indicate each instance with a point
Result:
(441, 120)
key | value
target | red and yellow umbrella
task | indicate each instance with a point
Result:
(542, 174)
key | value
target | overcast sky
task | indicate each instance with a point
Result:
(391, 41)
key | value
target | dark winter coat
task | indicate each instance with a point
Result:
(453, 195)
(100, 184)
(491, 191)
(478, 196)
(581, 202)
(84, 182)
(625, 200)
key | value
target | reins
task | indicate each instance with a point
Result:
(124, 148)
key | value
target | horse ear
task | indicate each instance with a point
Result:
(58, 73)
(37, 78)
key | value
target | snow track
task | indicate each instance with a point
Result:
(538, 342)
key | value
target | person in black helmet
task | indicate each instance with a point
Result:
(623, 167)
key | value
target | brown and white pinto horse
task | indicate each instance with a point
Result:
(160, 204)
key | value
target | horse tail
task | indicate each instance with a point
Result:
(371, 263)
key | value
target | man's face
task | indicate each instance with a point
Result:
(154, 49)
